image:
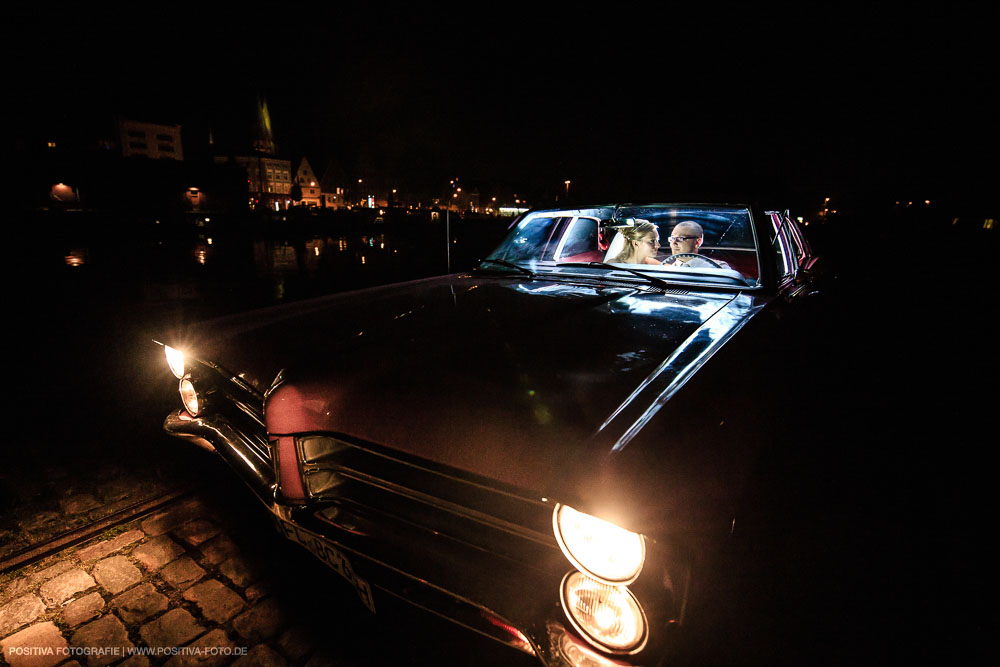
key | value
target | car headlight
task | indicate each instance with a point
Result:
(189, 397)
(599, 548)
(609, 617)
(175, 360)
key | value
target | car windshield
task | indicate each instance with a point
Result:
(714, 244)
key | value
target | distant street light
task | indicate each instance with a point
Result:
(567, 190)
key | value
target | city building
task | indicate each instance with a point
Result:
(308, 184)
(332, 197)
(150, 140)
(263, 141)
(269, 179)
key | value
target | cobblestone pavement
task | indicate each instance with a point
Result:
(207, 581)
(54, 498)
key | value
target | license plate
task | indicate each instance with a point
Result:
(333, 557)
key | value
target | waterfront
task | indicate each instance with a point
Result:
(91, 294)
(91, 393)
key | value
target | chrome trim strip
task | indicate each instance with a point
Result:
(243, 384)
(232, 445)
(540, 503)
(447, 506)
(692, 355)
(530, 650)
(666, 363)
(249, 411)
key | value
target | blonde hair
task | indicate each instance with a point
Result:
(638, 232)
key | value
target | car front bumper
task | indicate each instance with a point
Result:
(501, 583)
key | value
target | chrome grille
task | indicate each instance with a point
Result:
(239, 403)
(447, 502)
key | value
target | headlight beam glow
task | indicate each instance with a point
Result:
(599, 548)
(175, 360)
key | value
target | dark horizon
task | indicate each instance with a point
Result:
(756, 106)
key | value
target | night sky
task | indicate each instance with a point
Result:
(627, 104)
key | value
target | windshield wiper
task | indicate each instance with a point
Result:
(512, 265)
(602, 265)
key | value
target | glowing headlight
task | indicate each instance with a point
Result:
(175, 359)
(609, 617)
(601, 549)
(189, 397)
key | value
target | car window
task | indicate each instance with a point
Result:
(580, 237)
(784, 254)
(801, 245)
(715, 244)
(796, 245)
(529, 240)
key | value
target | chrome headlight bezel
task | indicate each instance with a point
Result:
(192, 400)
(620, 595)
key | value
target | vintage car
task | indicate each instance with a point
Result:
(550, 450)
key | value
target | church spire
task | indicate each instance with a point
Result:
(263, 141)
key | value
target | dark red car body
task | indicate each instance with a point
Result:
(458, 412)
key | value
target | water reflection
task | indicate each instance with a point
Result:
(76, 257)
(321, 255)
(239, 266)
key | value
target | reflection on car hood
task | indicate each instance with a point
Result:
(499, 376)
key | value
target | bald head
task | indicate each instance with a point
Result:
(686, 236)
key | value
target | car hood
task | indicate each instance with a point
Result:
(512, 379)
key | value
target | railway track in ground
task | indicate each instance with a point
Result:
(41, 550)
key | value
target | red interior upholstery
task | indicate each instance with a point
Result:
(589, 256)
(744, 262)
